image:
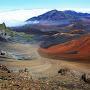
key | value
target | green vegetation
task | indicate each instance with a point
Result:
(5, 29)
(13, 34)
(2, 26)
(26, 36)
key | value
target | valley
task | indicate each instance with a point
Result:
(53, 54)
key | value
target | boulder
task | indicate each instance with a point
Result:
(86, 78)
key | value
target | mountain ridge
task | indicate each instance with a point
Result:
(59, 15)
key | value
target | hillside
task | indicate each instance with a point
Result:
(22, 81)
(55, 20)
(7, 34)
(74, 49)
(55, 15)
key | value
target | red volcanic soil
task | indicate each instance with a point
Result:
(75, 49)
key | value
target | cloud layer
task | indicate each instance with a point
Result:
(16, 17)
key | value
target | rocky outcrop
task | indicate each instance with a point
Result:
(4, 68)
(4, 32)
(86, 78)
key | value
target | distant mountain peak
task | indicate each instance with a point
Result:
(52, 15)
(54, 11)
(59, 18)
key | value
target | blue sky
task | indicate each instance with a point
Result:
(51, 4)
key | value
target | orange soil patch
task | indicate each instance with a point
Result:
(75, 49)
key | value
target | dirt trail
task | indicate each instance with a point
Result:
(40, 67)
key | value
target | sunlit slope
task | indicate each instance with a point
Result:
(75, 49)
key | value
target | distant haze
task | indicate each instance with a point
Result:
(17, 17)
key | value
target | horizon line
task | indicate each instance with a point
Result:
(84, 10)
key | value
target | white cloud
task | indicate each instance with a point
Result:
(16, 16)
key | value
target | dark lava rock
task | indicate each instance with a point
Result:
(85, 78)
(63, 71)
(4, 68)
(58, 39)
